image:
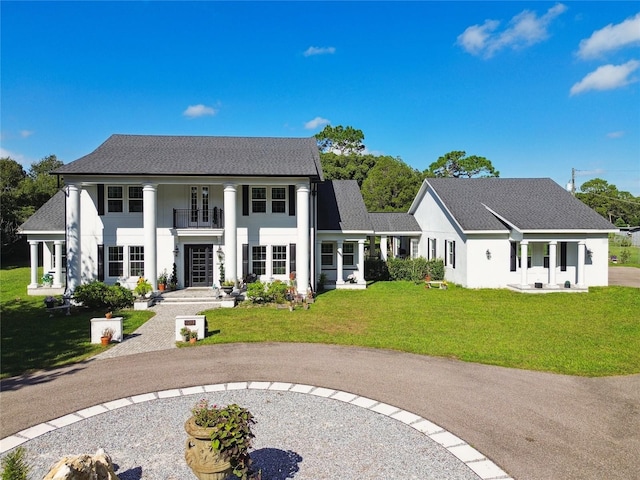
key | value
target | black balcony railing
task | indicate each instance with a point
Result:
(188, 218)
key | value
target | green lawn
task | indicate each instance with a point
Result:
(31, 340)
(594, 334)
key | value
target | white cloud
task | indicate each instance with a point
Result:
(315, 123)
(611, 38)
(607, 77)
(319, 51)
(26, 133)
(194, 111)
(618, 134)
(18, 157)
(524, 30)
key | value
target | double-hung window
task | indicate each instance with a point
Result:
(115, 262)
(278, 200)
(135, 199)
(327, 254)
(450, 253)
(136, 261)
(114, 199)
(348, 254)
(432, 249)
(279, 259)
(259, 200)
(259, 259)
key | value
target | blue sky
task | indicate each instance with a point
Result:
(536, 87)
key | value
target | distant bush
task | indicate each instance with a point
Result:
(256, 292)
(415, 269)
(96, 295)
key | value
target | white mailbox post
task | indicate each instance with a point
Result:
(192, 322)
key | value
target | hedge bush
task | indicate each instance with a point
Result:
(97, 295)
(415, 269)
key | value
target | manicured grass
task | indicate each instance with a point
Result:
(31, 340)
(594, 334)
(616, 249)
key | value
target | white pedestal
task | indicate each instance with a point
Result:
(99, 324)
(192, 322)
(143, 304)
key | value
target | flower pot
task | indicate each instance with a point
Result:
(162, 287)
(108, 315)
(227, 289)
(205, 462)
(192, 340)
(105, 340)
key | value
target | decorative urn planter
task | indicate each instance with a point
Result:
(227, 289)
(205, 462)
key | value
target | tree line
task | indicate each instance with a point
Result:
(387, 183)
(22, 193)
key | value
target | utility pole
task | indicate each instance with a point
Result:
(573, 182)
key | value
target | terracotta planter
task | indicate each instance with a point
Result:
(192, 339)
(162, 287)
(105, 340)
(108, 315)
(205, 462)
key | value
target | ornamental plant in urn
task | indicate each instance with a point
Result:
(218, 442)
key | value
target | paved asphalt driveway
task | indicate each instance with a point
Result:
(534, 425)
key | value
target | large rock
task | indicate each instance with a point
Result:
(83, 467)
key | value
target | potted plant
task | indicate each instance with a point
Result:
(143, 288)
(109, 314)
(173, 279)
(193, 336)
(162, 280)
(218, 441)
(47, 279)
(107, 334)
(185, 333)
(50, 302)
(227, 286)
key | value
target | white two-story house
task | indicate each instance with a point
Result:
(222, 208)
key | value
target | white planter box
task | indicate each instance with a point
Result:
(142, 305)
(99, 324)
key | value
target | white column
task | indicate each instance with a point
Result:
(149, 202)
(339, 260)
(74, 263)
(304, 238)
(383, 247)
(581, 263)
(57, 258)
(523, 264)
(552, 264)
(47, 257)
(361, 262)
(230, 233)
(33, 254)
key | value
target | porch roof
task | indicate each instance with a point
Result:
(200, 155)
(394, 222)
(48, 218)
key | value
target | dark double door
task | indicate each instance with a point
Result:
(199, 265)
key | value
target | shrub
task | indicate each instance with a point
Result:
(276, 292)
(15, 466)
(375, 269)
(96, 295)
(256, 292)
(415, 269)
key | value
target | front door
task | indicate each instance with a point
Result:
(199, 262)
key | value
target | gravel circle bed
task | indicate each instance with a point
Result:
(298, 436)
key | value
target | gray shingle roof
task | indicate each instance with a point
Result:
(527, 203)
(49, 217)
(341, 207)
(394, 222)
(193, 155)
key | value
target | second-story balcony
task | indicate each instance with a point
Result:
(190, 218)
